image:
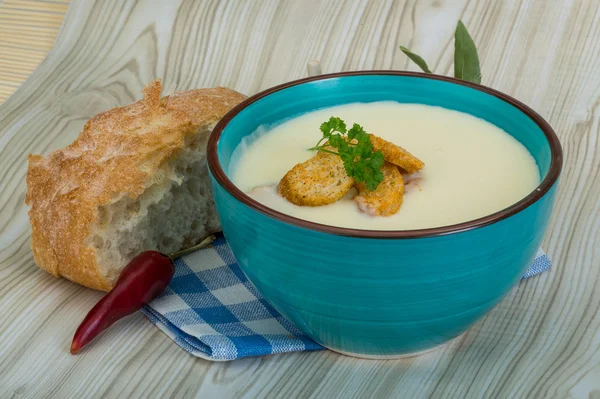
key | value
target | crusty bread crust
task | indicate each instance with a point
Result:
(119, 152)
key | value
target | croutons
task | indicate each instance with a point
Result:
(386, 199)
(319, 181)
(323, 180)
(396, 154)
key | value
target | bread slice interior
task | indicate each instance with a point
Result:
(175, 211)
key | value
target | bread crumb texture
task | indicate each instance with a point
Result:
(135, 179)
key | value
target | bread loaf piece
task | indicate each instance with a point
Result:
(135, 179)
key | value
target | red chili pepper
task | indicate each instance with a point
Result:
(142, 280)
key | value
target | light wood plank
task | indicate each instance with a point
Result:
(26, 26)
(542, 341)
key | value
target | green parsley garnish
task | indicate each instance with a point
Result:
(354, 147)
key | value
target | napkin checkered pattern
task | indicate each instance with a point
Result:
(211, 310)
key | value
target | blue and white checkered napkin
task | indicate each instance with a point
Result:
(212, 311)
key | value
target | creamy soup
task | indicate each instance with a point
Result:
(472, 168)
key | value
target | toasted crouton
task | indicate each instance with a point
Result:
(396, 154)
(319, 181)
(386, 199)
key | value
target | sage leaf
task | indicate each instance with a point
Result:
(466, 60)
(416, 59)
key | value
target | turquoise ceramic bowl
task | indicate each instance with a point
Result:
(383, 293)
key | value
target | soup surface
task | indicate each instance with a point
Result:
(472, 168)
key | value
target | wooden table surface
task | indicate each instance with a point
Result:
(28, 29)
(542, 341)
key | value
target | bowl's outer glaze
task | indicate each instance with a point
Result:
(382, 296)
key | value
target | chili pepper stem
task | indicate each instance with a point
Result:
(202, 244)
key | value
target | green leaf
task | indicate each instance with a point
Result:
(355, 149)
(417, 59)
(358, 133)
(466, 60)
(333, 125)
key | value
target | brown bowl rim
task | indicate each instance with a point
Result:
(550, 179)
